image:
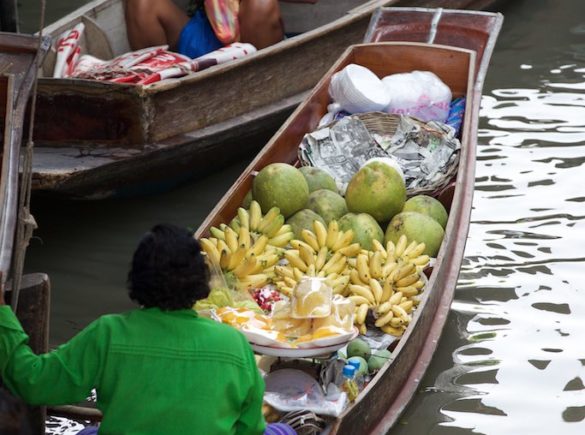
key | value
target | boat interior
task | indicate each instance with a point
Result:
(105, 27)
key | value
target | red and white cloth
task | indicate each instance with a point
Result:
(142, 67)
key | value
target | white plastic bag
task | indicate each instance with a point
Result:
(357, 89)
(420, 94)
(292, 390)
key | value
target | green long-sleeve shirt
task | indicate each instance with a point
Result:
(155, 372)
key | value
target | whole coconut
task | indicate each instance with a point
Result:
(280, 185)
(419, 227)
(303, 219)
(327, 204)
(365, 229)
(318, 179)
(427, 205)
(376, 189)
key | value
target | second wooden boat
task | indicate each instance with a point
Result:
(99, 139)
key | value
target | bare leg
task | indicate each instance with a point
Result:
(154, 22)
(260, 22)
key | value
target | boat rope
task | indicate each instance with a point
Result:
(26, 221)
(434, 25)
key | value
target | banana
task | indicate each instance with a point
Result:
(245, 267)
(417, 251)
(387, 329)
(400, 246)
(321, 258)
(286, 228)
(244, 239)
(244, 217)
(236, 257)
(231, 238)
(210, 250)
(275, 225)
(344, 239)
(281, 240)
(320, 233)
(297, 274)
(376, 265)
(259, 246)
(362, 268)
(395, 298)
(421, 260)
(388, 268)
(332, 233)
(296, 244)
(255, 215)
(409, 249)
(334, 263)
(409, 291)
(217, 233)
(267, 220)
(404, 270)
(407, 280)
(384, 308)
(361, 290)
(407, 306)
(311, 239)
(362, 328)
(350, 250)
(377, 290)
(253, 281)
(396, 321)
(360, 316)
(284, 271)
(390, 248)
(378, 247)
(355, 277)
(359, 300)
(387, 291)
(386, 318)
(419, 284)
(267, 260)
(307, 254)
(400, 312)
(294, 259)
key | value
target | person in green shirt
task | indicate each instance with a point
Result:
(158, 369)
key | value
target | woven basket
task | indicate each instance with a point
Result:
(385, 124)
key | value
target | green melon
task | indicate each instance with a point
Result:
(318, 179)
(427, 205)
(376, 189)
(419, 227)
(280, 185)
(303, 219)
(327, 204)
(365, 229)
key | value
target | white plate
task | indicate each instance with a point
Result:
(302, 352)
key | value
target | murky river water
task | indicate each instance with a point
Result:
(511, 359)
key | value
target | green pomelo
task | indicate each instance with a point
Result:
(419, 227)
(280, 185)
(327, 204)
(359, 347)
(303, 220)
(247, 200)
(376, 189)
(427, 205)
(318, 179)
(363, 367)
(378, 359)
(365, 229)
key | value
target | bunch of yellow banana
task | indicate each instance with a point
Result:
(248, 260)
(386, 287)
(304, 261)
(332, 238)
(403, 251)
(270, 225)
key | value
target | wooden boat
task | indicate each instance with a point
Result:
(381, 403)
(20, 57)
(383, 400)
(99, 139)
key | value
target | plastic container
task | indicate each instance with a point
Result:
(311, 299)
(349, 383)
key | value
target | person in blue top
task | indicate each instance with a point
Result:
(162, 22)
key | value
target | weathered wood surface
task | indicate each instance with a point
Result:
(79, 117)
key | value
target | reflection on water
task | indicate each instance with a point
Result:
(512, 359)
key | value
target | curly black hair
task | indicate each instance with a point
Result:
(168, 270)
